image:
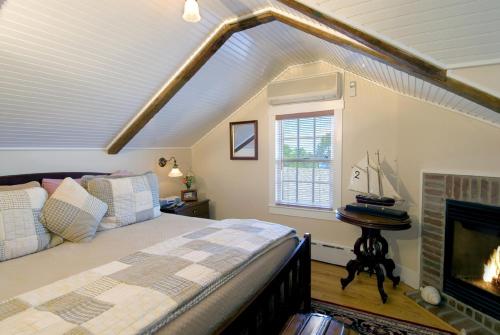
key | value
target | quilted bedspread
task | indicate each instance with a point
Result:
(143, 291)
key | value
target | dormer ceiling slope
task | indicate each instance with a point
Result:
(75, 73)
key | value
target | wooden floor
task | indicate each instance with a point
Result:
(362, 294)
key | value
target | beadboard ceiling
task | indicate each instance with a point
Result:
(449, 33)
(73, 73)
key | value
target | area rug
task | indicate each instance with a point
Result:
(372, 324)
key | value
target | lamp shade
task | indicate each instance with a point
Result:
(175, 172)
(191, 11)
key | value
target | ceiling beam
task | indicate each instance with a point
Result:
(346, 43)
(370, 41)
(410, 64)
(183, 76)
(406, 62)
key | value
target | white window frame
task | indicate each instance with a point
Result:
(323, 214)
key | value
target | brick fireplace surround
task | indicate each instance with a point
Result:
(436, 189)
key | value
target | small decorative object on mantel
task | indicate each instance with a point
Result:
(430, 295)
(243, 138)
(189, 195)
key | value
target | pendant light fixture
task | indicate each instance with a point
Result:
(191, 11)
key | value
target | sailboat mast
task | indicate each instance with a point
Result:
(381, 191)
(368, 171)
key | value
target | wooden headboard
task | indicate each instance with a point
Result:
(24, 178)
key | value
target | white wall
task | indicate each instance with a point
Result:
(412, 135)
(32, 161)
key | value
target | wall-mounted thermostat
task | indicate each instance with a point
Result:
(352, 89)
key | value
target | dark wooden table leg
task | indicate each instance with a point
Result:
(380, 282)
(371, 250)
(355, 265)
(388, 263)
(351, 267)
(389, 269)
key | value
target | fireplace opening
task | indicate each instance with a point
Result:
(472, 255)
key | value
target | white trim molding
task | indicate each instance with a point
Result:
(338, 107)
(313, 213)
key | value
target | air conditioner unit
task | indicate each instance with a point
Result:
(316, 88)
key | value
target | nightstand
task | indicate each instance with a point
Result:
(197, 209)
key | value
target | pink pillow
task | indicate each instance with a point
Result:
(50, 185)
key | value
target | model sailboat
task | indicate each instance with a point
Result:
(369, 179)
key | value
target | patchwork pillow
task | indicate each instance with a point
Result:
(84, 181)
(71, 212)
(21, 231)
(129, 199)
(19, 186)
(117, 174)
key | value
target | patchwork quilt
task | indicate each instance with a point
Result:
(143, 291)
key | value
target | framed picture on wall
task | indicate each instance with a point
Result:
(243, 138)
(189, 195)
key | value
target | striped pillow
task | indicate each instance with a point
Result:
(21, 232)
(129, 199)
(72, 212)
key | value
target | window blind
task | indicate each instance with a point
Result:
(304, 159)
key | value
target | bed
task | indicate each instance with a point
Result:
(259, 299)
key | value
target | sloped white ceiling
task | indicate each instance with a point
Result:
(73, 73)
(244, 64)
(250, 59)
(450, 33)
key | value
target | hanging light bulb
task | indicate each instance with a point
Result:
(191, 11)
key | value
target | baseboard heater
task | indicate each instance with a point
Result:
(331, 253)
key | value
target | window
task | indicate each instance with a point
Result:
(304, 159)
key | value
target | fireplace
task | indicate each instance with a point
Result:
(471, 272)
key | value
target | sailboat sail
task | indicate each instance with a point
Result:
(368, 179)
(373, 181)
(359, 177)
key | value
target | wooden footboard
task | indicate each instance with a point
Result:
(287, 293)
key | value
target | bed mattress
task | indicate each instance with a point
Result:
(36, 270)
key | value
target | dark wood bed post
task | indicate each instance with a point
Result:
(307, 272)
(288, 292)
